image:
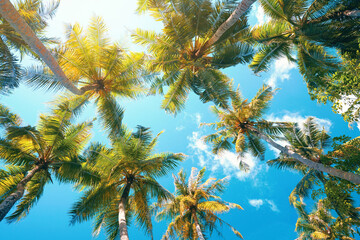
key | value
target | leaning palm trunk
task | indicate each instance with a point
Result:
(122, 213)
(9, 13)
(197, 226)
(351, 177)
(10, 201)
(238, 12)
(122, 221)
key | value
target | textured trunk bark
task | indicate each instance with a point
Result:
(9, 13)
(10, 201)
(351, 177)
(197, 226)
(122, 213)
(122, 221)
(240, 10)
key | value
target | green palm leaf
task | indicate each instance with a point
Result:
(194, 195)
(33, 154)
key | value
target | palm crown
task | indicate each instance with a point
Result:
(309, 27)
(128, 171)
(103, 70)
(179, 52)
(34, 154)
(238, 121)
(195, 206)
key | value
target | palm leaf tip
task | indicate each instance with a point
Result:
(237, 233)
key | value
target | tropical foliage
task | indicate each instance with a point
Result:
(314, 30)
(12, 45)
(198, 40)
(179, 54)
(128, 173)
(194, 208)
(243, 126)
(320, 224)
(34, 155)
(343, 88)
(234, 126)
(313, 142)
(102, 69)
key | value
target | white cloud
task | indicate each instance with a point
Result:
(273, 207)
(281, 72)
(198, 118)
(225, 161)
(197, 143)
(257, 203)
(180, 128)
(260, 15)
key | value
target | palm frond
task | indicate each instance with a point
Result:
(8, 118)
(267, 53)
(111, 114)
(9, 179)
(303, 187)
(10, 69)
(261, 101)
(232, 54)
(41, 78)
(35, 190)
(88, 205)
(176, 96)
(274, 9)
(12, 154)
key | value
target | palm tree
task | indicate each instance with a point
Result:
(314, 143)
(9, 13)
(311, 142)
(128, 170)
(240, 9)
(320, 224)
(35, 15)
(100, 67)
(188, 54)
(34, 154)
(309, 28)
(194, 208)
(243, 125)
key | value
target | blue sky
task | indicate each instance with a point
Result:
(263, 192)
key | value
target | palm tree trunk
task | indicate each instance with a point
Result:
(122, 213)
(10, 201)
(197, 226)
(243, 6)
(351, 177)
(9, 13)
